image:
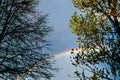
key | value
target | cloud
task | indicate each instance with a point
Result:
(66, 69)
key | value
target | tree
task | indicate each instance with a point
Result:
(98, 31)
(23, 33)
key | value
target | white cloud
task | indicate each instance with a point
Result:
(66, 69)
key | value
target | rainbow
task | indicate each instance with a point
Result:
(75, 50)
(67, 52)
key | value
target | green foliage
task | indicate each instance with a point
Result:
(23, 33)
(97, 26)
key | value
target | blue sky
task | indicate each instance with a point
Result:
(59, 12)
(62, 39)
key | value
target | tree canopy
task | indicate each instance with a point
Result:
(97, 25)
(23, 32)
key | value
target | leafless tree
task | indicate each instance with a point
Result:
(23, 32)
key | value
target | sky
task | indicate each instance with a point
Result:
(59, 12)
(62, 39)
(66, 69)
